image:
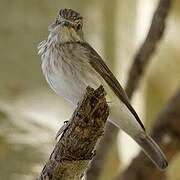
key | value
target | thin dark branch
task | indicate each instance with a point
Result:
(74, 150)
(167, 133)
(140, 63)
(148, 47)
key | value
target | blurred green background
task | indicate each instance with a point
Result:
(31, 113)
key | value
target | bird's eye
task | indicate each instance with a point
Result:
(78, 27)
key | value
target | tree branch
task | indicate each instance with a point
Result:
(74, 150)
(149, 46)
(136, 73)
(167, 133)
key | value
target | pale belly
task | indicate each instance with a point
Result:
(72, 84)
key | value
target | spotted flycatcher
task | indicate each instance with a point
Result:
(70, 64)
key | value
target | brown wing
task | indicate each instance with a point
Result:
(99, 65)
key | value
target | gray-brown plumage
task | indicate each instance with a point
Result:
(70, 64)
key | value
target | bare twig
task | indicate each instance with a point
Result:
(74, 150)
(149, 46)
(136, 72)
(167, 133)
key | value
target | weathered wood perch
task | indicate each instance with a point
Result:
(74, 150)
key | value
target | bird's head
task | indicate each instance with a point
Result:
(68, 26)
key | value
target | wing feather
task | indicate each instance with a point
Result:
(99, 65)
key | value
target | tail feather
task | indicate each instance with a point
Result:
(153, 151)
(124, 119)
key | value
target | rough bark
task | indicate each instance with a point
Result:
(140, 63)
(103, 149)
(74, 150)
(167, 133)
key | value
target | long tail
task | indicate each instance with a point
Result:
(152, 150)
(123, 118)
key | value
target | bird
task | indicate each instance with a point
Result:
(70, 64)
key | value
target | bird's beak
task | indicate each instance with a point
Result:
(66, 24)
